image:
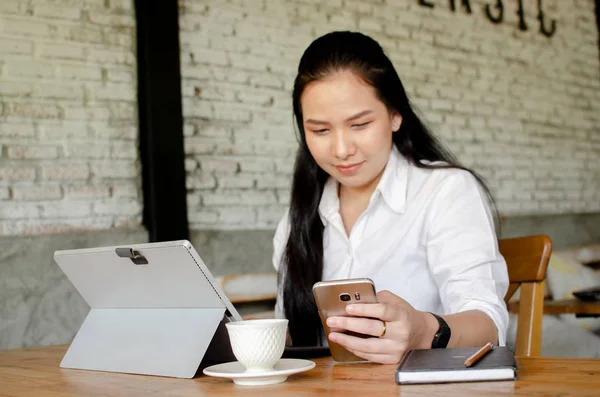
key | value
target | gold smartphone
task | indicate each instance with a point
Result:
(332, 297)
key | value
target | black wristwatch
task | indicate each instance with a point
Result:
(442, 336)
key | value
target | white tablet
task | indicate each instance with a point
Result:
(154, 309)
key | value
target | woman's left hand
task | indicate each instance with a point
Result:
(405, 328)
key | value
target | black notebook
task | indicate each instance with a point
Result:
(448, 365)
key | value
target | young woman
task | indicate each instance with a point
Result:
(375, 195)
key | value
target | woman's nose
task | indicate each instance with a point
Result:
(343, 146)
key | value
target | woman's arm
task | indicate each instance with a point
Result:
(405, 328)
(464, 260)
(279, 242)
(468, 329)
(471, 275)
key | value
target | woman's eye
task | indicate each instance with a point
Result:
(362, 125)
(320, 131)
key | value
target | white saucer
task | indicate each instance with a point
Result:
(236, 371)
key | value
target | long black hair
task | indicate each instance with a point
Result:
(303, 255)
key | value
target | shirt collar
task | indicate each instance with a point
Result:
(392, 186)
(394, 181)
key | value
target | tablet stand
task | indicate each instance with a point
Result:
(169, 342)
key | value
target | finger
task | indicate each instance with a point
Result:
(376, 357)
(387, 355)
(383, 311)
(366, 345)
(357, 324)
(386, 296)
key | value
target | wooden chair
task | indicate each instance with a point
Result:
(527, 260)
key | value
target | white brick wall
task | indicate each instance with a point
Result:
(68, 116)
(522, 109)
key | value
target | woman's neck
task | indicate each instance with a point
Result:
(354, 201)
(359, 193)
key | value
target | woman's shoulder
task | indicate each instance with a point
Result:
(280, 238)
(283, 226)
(441, 173)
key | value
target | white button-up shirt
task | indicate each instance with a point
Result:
(427, 236)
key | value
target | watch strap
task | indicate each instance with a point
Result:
(442, 336)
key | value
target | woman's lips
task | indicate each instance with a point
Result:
(349, 169)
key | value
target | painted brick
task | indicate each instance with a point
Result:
(112, 20)
(284, 166)
(283, 196)
(10, 7)
(115, 92)
(32, 152)
(117, 207)
(116, 169)
(33, 110)
(58, 92)
(90, 113)
(15, 89)
(78, 72)
(54, 12)
(112, 56)
(63, 130)
(238, 180)
(201, 180)
(120, 39)
(266, 80)
(123, 150)
(66, 172)
(121, 5)
(190, 164)
(12, 210)
(232, 112)
(123, 76)
(238, 216)
(26, 27)
(82, 34)
(17, 173)
(201, 145)
(368, 24)
(262, 165)
(221, 198)
(125, 189)
(15, 46)
(274, 181)
(270, 215)
(4, 194)
(203, 217)
(36, 193)
(83, 192)
(28, 69)
(219, 164)
(78, 150)
(66, 209)
(62, 51)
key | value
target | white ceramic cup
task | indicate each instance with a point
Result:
(258, 344)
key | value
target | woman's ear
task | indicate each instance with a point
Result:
(396, 122)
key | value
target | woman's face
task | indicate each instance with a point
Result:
(348, 129)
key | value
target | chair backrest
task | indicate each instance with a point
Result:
(527, 260)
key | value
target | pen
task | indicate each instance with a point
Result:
(478, 354)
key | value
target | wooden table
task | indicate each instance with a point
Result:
(565, 306)
(35, 372)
